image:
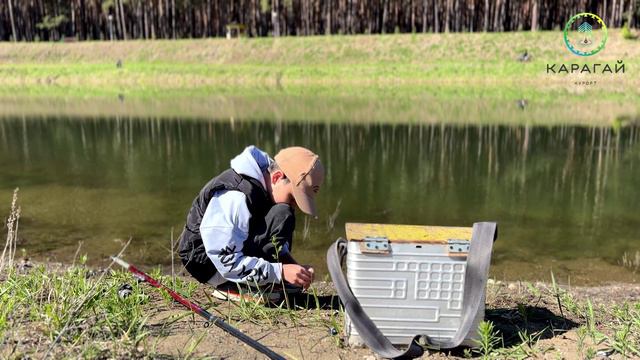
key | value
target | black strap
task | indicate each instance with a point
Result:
(478, 260)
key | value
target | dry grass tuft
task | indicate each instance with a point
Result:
(631, 261)
(9, 251)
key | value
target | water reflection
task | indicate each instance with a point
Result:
(560, 193)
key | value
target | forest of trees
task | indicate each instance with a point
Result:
(47, 20)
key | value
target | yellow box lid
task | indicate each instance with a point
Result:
(408, 233)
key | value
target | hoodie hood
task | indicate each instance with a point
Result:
(252, 162)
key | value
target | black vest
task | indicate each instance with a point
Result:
(191, 249)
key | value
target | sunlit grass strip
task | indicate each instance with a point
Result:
(345, 65)
(352, 79)
(505, 108)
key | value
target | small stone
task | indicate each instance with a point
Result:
(604, 354)
(512, 286)
(333, 331)
(24, 266)
(125, 290)
(91, 273)
(423, 341)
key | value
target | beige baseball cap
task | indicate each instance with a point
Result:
(306, 173)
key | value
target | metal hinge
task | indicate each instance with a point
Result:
(375, 245)
(457, 246)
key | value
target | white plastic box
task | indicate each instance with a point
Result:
(409, 280)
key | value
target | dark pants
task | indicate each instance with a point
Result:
(264, 240)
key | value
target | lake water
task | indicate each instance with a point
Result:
(566, 198)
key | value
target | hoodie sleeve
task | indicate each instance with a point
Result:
(224, 228)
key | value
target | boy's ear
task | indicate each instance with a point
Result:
(276, 176)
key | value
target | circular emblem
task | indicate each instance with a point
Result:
(585, 34)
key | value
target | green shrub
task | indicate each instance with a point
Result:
(627, 34)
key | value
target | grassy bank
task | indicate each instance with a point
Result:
(408, 75)
(74, 311)
(338, 65)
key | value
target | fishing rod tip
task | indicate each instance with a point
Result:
(119, 261)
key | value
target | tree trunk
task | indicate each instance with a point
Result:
(485, 25)
(144, 19)
(383, 28)
(413, 17)
(118, 23)
(327, 28)
(173, 18)
(436, 21)
(147, 32)
(496, 15)
(73, 18)
(348, 24)
(458, 15)
(447, 16)
(275, 22)
(124, 25)
(424, 16)
(534, 16)
(14, 33)
(472, 16)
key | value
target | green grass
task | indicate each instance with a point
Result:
(344, 65)
(389, 69)
(461, 106)
(600, 328)
(488, 339)
(65, 311)
(72, 311)
(48, 306)
(615, 329)
(41, 304)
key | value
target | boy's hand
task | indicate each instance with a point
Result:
(297, 275)
(311, 270)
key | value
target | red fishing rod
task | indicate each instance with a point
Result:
(217, 321)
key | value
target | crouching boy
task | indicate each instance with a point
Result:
(238, 234)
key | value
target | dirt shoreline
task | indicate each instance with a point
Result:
(506, 302)
(553, 317)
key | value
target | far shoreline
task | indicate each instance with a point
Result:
(424, 109)
(400, 78)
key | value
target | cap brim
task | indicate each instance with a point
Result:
(305, 202)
